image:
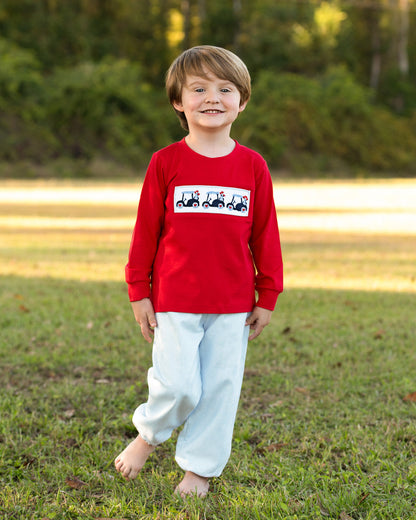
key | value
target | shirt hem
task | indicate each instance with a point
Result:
(205, 310)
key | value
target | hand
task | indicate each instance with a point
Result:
(257, 320)
(145, 317)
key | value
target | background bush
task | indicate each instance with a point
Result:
(22, 132)
(92, 109)
(297, 121)
(108, 111)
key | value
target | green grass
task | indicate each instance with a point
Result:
(322, 431)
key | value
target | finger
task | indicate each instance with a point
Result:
(251, 319)
(146, 332)
(257, 328)
(152, 320)
(254, 334)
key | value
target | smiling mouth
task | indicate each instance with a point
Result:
(212, 111)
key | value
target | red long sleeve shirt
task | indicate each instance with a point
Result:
(206, 236)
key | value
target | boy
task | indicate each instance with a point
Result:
(206, 238)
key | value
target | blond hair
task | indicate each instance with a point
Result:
(197, 61)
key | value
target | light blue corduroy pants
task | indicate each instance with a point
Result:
(195, 380)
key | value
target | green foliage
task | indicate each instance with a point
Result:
(19, 74)
(63, 34)
(398, 94)
(330, 116)
(21, 84)
(361, 133)
(266, 41)
(93, 109)
(107, 109)
(84, 79)
(281, 115)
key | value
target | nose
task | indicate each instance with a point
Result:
(212, 96)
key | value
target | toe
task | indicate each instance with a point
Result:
(129, 474)
(178, 492)
(121, 468)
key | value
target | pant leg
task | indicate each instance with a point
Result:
(204, 445)
(174, 379)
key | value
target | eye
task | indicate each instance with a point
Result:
(200, 89)
(225, 90)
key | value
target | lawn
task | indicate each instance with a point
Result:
(326, 426)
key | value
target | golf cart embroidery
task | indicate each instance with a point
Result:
(239, 203)
(212, 199)
(190, 199)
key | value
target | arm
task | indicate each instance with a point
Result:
(149, 223)
(267, 255)
(145, 317)
(265, 242)
(257, 320)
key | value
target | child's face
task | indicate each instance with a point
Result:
(209, 102)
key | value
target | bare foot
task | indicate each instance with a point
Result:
(132, 459)
(192, 484)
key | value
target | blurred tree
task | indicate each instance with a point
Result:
(379, 32)
(372, 37)
(266, 35)
(220, 22)
(319, 38)
(403, 37)
(62, 42)
(67, 32)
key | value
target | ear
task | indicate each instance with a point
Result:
(177, 105)
(243, 106)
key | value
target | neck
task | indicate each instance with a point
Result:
(210, 144)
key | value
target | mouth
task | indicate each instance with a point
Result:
(212, 111)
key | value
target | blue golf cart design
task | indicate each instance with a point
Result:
(189, 199)
(214, 199)
(238, 203)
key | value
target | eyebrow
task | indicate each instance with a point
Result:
(196, 82)
(202, 80)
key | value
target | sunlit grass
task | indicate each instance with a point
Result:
(73, 225)
(349, 261)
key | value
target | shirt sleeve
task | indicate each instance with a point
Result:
(265, 243)
(146, 233)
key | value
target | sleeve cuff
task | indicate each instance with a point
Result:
(267, 299)
(138, 291)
